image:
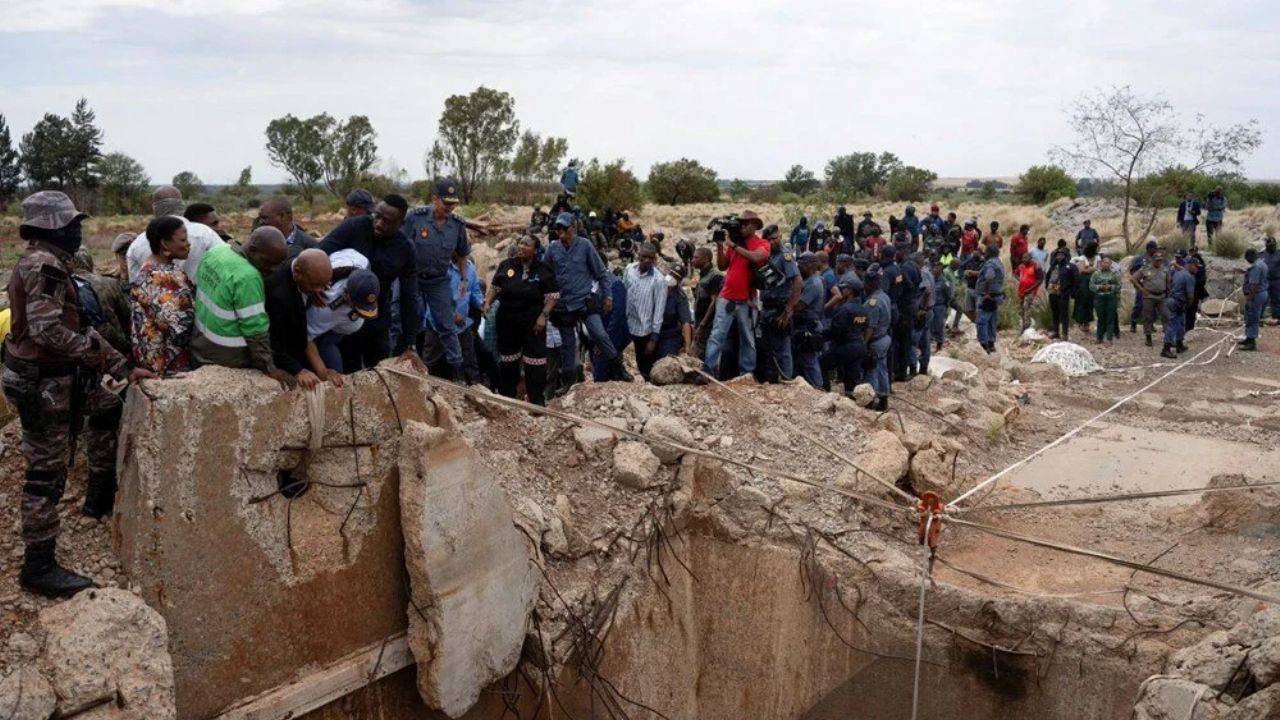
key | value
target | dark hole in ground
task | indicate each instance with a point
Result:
(291, 486)
(1005, 674)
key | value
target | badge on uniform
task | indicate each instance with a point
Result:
(871, 302)
(897, 279)
(425, 233)
(788, 256)
(511, 272)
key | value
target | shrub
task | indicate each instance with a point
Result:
(684, 181)
(1044, 183)
(609, 186)
(1228, 244)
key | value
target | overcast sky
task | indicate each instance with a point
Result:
(749, 88)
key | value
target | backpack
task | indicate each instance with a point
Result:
(91, 313)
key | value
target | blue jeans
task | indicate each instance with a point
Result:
(1253, 314)
(569, 342)
(1273, 291)
(987, 320)
(1175, 323)
(327, 344)
(921, 350)
(729, 313)
(938, 323)
(879, 376)
(436, 295)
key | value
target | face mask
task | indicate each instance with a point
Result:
(67, 239)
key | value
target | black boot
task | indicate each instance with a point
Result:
(1167, 351)
(1149, 340)
(1180, 348)
(100, 496)
(882, 404)
(620, 371)
(1248, 344)
(42, 574)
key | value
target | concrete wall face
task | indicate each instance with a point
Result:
(257, 587)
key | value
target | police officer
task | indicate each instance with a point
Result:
(1182, 288)
(847, 335)
(990, 294)
(1255, 294)
(781, 290)
(922, 308)
(901, 290)
(879, 324)
(1271, 256)
(440, 239)
(53, 367)
(1152, 284)
(807, 336)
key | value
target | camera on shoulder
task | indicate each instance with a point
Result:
(727, 227)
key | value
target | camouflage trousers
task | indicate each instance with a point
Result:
(45, 409)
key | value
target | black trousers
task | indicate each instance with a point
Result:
(1060, 307)
(521, 350)
(847, 360)
(365, 348)
(644, 358)
(902, 343)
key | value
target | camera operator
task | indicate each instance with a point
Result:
(739, 251)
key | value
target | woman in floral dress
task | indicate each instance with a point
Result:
(162, 299)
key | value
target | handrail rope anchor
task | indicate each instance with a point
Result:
(930, 507)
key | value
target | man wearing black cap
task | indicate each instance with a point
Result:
(806, 339)
(440, 239)
(391, 258)
(1182, 288)
(902, 291)
(53, 367)
(359, 202)
(879, 325)
(846, 334)
(779, 292)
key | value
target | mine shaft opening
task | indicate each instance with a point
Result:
(290, 484)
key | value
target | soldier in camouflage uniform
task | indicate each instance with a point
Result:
(112, 316)
(53, 367)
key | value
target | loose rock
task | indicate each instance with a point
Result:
(634, 465)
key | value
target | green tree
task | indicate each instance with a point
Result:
(476, 134)
(682, 181)
(46, 153)
(189, 183)
(860, 173)
(297, 146)
(124, 186)
(87, 145)
(525, 161)
(350, 151)
(799, 181)
(246, 177)
(551, 157)
(987, 190)
(609, 186)
(909, 183)
(1044, 183)
(10, 165)
(738, 189)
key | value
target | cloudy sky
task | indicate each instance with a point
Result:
(961, 87)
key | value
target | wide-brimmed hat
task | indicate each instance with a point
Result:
(49, 210)
(749, 216)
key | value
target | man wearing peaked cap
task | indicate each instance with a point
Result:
(440, 239)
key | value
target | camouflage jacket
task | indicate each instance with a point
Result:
(113, 295)
(46, 315)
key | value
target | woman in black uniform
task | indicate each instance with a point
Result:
(526, 291)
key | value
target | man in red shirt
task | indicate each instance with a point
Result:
(1018, 247)
(739, 261)
(1029, 278)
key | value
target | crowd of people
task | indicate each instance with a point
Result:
(836, 304)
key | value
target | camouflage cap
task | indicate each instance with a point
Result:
(49, 210)
(122, 242)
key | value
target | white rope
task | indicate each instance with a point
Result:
(1076, 430)
(924, 587)
(315, 414)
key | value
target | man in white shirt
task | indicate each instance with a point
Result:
(167, 200)
(646, 301)
(350, 299)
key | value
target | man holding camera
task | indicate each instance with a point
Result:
(739, 251)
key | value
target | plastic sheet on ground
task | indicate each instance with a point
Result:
(1074, 360)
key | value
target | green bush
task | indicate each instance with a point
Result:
(1228, 244)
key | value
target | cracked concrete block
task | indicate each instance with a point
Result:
(472, 582)
(668, 428)
(884, 456)
(635, 465)
(107, 641)
(26, 695)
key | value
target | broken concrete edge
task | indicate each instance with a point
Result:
(321, 687)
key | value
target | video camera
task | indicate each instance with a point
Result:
(727, 227)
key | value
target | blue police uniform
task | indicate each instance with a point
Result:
(920, 332)
(434, 243)
(807, 338)
(775, 342)
(1181, 290)
(879, 325)
(1256, 295)
(847, 335)
(942, 300)
(1272, 260)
